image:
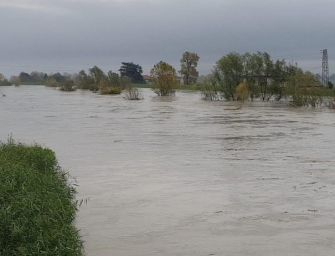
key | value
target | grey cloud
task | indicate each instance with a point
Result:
(68, 35)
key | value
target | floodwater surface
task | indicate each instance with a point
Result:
(183, 177)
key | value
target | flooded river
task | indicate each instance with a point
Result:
(184, 177)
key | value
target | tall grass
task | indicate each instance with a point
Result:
(37, 204)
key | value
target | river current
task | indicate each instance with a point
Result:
(181, 176)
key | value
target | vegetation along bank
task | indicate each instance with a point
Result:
(37, 204)
(235, 77)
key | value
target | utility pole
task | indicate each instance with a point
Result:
(325, 67)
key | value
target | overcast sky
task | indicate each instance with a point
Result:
(69, 35)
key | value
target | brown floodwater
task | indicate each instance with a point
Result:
(182, 176)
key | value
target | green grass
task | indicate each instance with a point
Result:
(37, 204)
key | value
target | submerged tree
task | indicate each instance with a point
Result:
(113, 83)
(97, 74)
(242, 92)
(265, 79)
(132, 71)
(164, 79)
(98, 81)
(229, 74)
(305, 90)
(68, 86)
(84, 81)
(189, 63)
(210, 89)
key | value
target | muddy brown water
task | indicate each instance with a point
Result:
(181, 176)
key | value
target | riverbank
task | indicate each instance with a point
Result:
(37, 204)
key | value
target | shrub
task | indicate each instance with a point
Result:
(68, 86)
(52, 82)
(164, 79)
(306, 90)
(242, 92)
(210, 90)
(37, 204)
(106, 87)
(85, 82)
(132, 93)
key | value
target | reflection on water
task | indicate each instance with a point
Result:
(181, 176)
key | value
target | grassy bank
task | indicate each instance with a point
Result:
(37, 204)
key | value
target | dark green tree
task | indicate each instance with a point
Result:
(330, 85)
(228, 74)
(132, 71)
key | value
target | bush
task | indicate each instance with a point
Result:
(210, 90)
(37, 204)
(51, 82)
(306, 90)
(242, 92)
(132, 93)
(106, 87)
(68, 86)
(164, 79)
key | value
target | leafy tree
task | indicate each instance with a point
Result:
(280, 76)
(25, 77)
(133, 71)
(189, 63)
(114, 79)
(228, 74)
(58, 77)
(38, 77)
(113, 83)
(68, 86)
(34, 77)
(164, 79)
(305, 89)
(265, 75)
(84, 81)
(252, 69)
(51, 82)
(210, 89)
(97, 74)
(258, 73)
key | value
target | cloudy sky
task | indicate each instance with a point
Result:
(68, 35)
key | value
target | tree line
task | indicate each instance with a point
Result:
(163, 78)
(235, 77)
(253, 76)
